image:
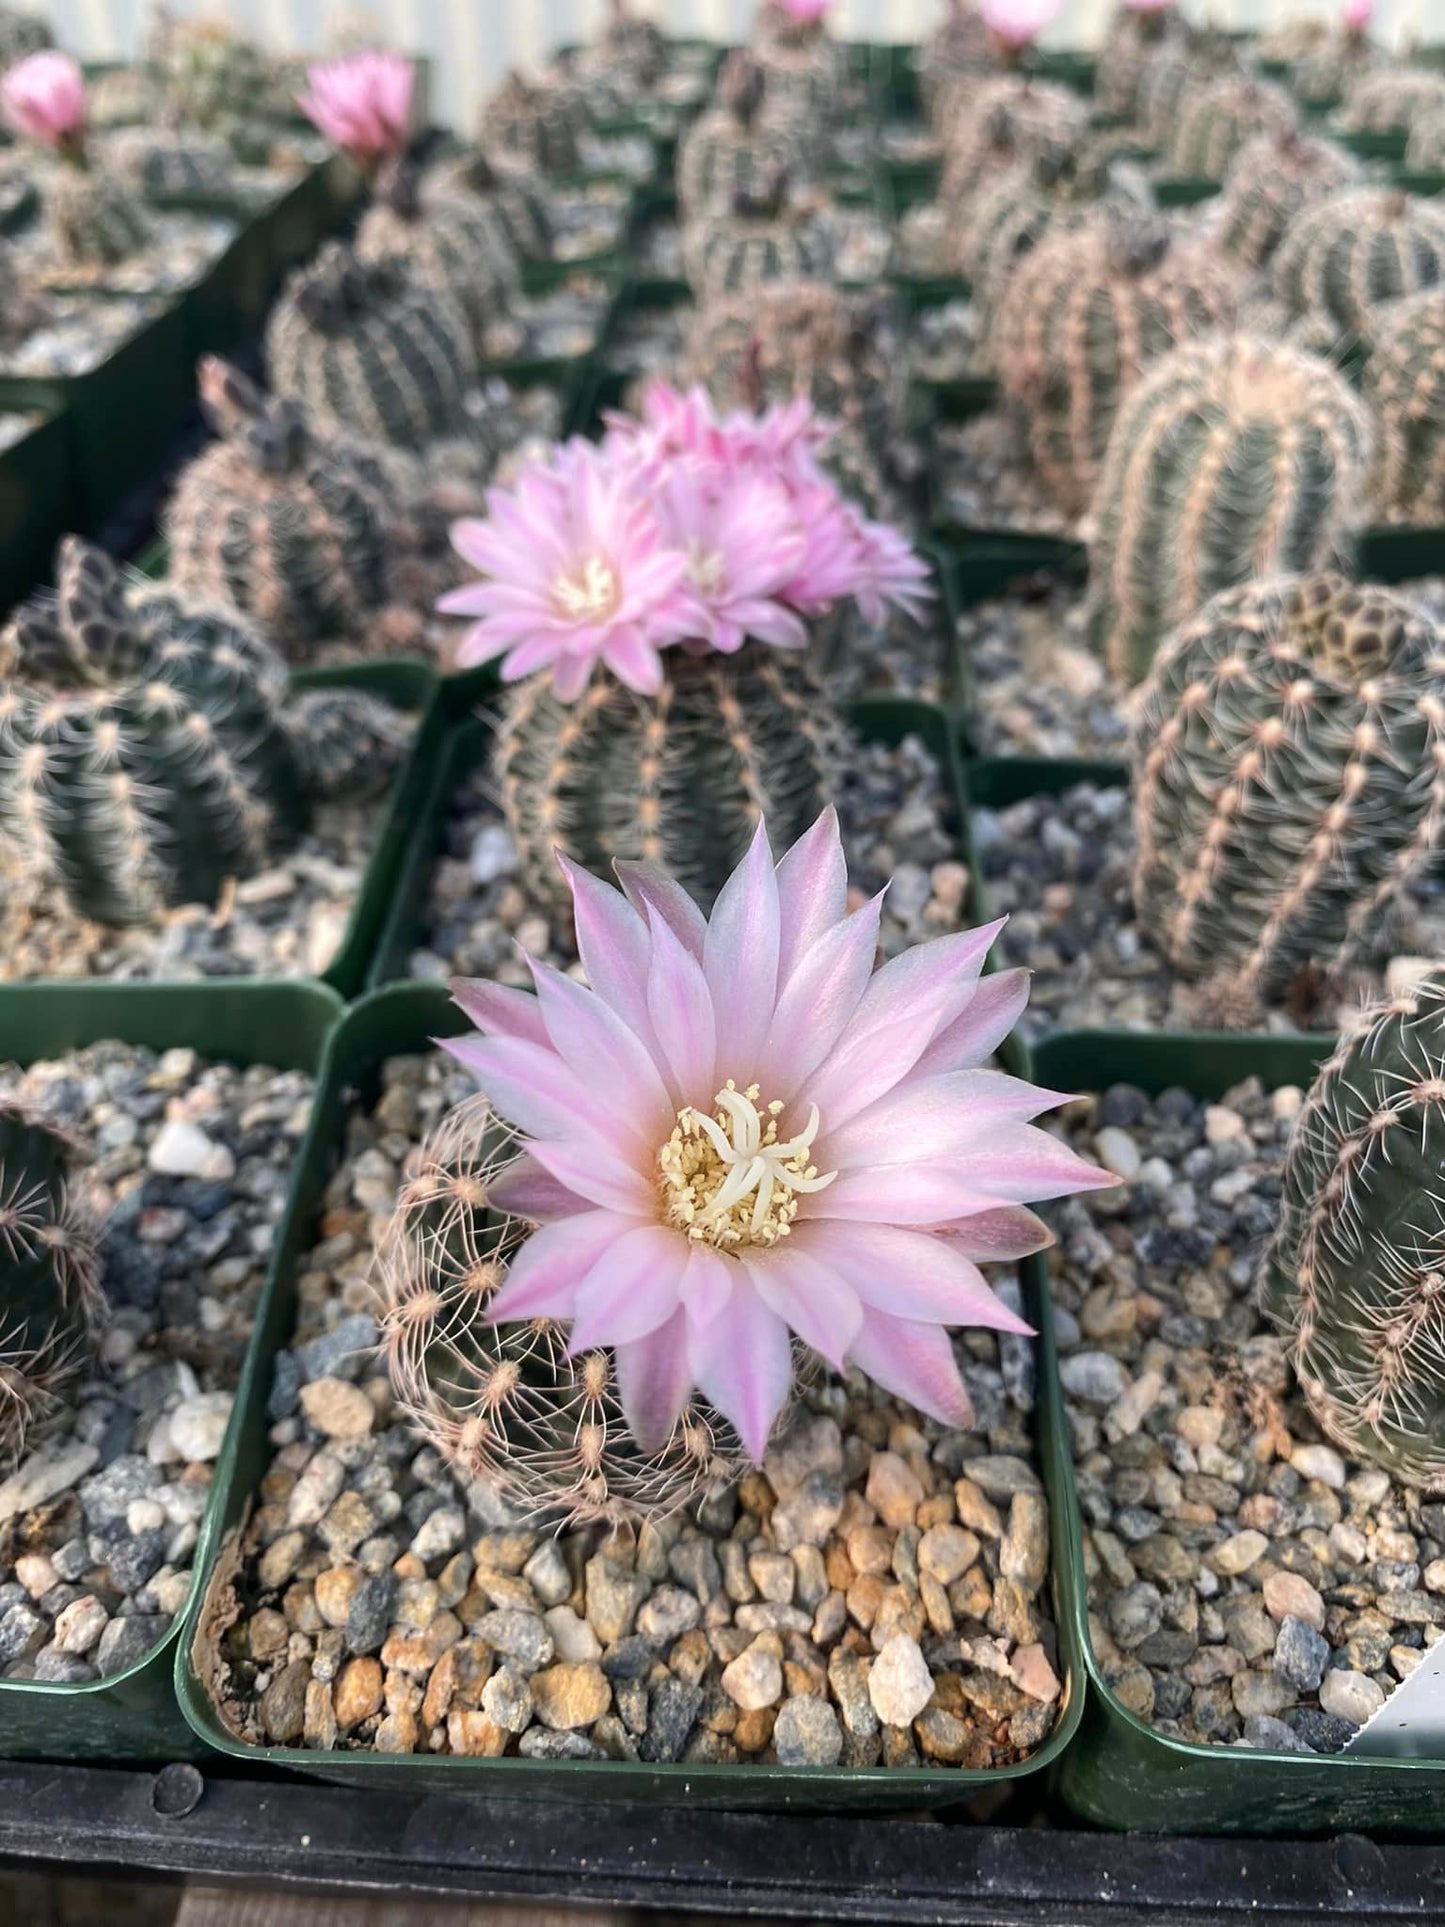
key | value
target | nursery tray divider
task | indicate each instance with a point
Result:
(1399, 555)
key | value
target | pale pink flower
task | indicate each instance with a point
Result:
(575, 574)
(743, 547)
(361, 103)
(668, 424)
(891, 575)
(741, 1134)
(803, 13)
(1358, 14)
(1017, 23)
(43, 97)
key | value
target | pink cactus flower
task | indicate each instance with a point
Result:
(362, 104)
(741, 1134)
(1358, 15)
(804, 13)
(43, 97)
(743, 547)
(1016, 24)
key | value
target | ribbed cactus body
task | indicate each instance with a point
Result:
(50, 1294)
(959, 46)
(514, 196)
(1268, 183)
(719, 157)
(1080, 321)
(97, 220)
(362, 347)
(1182, 69)
(1130, 47)
(1290, 780)
(213, 77)
(167, 165)
(754, 246)
(1389, 100)
(453, 246)
(1232, 459)
(1216, 121)
(1355, 1277)
(505, 1404)
(806, 73)
(1342, 256)
(542, 123)
(1405, 385)
(1425, 150)
(679, 778)
(1325, 73)
(995, 125)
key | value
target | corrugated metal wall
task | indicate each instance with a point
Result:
(473, 41)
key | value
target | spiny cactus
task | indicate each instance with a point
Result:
(169, 164)
(363, 348)
(1000, 123)
(679, 778)
(959, 46)
(1179, 70)
(541, 123)
(213, 78)
(1405, 385)
(50, 1295)
(511, 193)
(1325, 72)
(732, 148)
(1355, 1276)
(1269, 181)
(289, 528)
(453, 244)
(1214, 122)
(148, 748)
(1133, 42)
(96, 219)
(1343, 256)
(767, 236)
(1232, 459)
(1425, 150)
(1388, 101)
(1290, 764)
(1080, 321)
(806, 72)
(505, 1404)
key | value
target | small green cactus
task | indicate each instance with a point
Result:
(1269, 181)
(768, 236)
(1232, 459)
(1290, 782)
(1342, 256)
(1405, 385)
(453, 245)
(1000, 124)
(679, 778)
(172, 166)
(1215, 121)
(732, 148)
(1132, 44)
(542, 123)
(1355, 1277)
(1388, 100)
(97, 220)
(364, 349)
(511, 193)
(1080, 321)
(50, 1292)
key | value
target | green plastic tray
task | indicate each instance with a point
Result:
(133, 1716)
(36, 504)
(1119, 1772)
(1376, 147)
(1428, 185)
(406, 1019)
(1399, 555)
(1184, 190)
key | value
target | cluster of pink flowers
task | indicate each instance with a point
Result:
(43, 97)
(361, 103)
(681, 529)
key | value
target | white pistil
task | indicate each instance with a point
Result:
(728, 1181)
(589, 593)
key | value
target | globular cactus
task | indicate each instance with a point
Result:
(1080, 321)
(126, 97)
(1405, 386)
(50, 1292)
(290, 528)
(1232, 459)
(1181, 69)
(805, 69)
(1355, 1276)
(997, 124)
(149, 749)
(680, 778)
(1324, 73)
(1425, 149)
(1290, 782)
(1269, 181)
(96, 219)
(511, 193)
(453, 245)
(363, 348)
(1389, 100)
(732, 148)
(170, 165)
(504, 1404)
(1134, 41)
(1342, 256)
(768, 236)
(213, 78)
(959, 47)
(1214, 122)
(541, 123)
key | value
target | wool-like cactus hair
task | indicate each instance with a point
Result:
(732, 147)
(1290, 783)
(1269, 181)
(541, 123)
(364, 348)
(506, 1404)
(1405, 385)
(1355, 1277)
(1342, 256)
(1081, 320)
(512, 194)
(1233, 459)
(770, 233)
(1214, 122)
(1388, 101)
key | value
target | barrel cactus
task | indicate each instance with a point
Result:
(363, 348)
(1137, 36)
(1268, 183)
(1181, 69)
(1342, 256)
(766, 236)
(960, 46)
(51, 1301)
(1214, 122)
(453, 244)
(806, 70)
(1355, 1276)
(151, 748)
(732, 148)
(512, 194)
(1080, 321)
(541, 122)
(1007, 120)
(1324, 73)
(1425, 150)
(95, 219)
(21, 33)
(1389, 100)
(1233, 458)
(173, 165)
(212, 76)
(1405, 385)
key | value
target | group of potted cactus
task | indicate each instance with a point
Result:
(709, 1354)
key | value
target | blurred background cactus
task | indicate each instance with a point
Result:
(1344, 255)
(1270, 179)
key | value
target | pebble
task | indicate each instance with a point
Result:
(900, 1684)
(1351, 1696)
(182, 1150)
(336, 1409)
(755, 1678)
(1287, 1594)
(569, 1696)
(807, 1733)
(198, 1425)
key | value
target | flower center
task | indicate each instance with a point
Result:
(589, 593)
(707, 568)
(728, 1181)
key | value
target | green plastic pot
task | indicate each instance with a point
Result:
(133, 1716)
(36, 504)
(1119, 1772)
(406, 1019)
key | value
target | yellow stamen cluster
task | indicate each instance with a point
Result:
(589, 593)
(728, 1180)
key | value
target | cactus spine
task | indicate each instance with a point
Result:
(1355, 1277)
(1232, 459)
(1405, 384)
(1269, 181)
(1425, 151)
(1215, 122)
(1131, 46)
(959, 47)
(1079, 322)
(50, 1292)
(1009, 215)
(170, 165)
(1342, 256)
(679, 778)
(1001, 123)
(1290, 757)
(364, 349)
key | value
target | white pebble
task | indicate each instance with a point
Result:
(199, 1425)
(900, 1684)
(181, 1149)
